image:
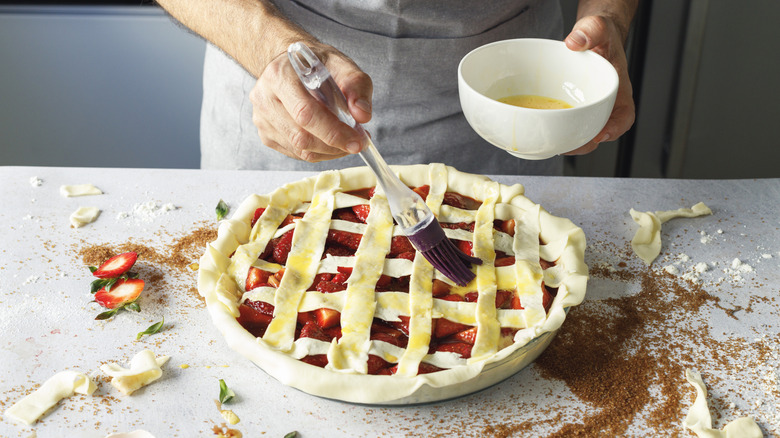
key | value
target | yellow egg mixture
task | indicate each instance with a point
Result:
(534, 102)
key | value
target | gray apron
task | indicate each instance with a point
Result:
(411, 50)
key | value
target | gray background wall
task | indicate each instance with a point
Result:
(121, 86)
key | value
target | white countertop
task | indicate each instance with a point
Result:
(47, 325)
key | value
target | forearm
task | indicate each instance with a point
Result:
(620, 12)
(253, 32)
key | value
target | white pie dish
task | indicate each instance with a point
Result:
(223, 293)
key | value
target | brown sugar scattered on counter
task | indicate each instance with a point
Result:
(618, 355)
(158, 262)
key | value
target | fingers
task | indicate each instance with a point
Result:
(603, 37)
(588, 32)
(294, 123)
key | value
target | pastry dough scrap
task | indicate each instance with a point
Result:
(699, 420)
(144, 369)
(61, 385)
(647, 239)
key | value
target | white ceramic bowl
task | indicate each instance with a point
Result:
(541, 67)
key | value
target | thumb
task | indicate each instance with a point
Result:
(359, 92)
(587, 33)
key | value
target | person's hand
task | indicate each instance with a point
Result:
(602, 36)
(291, 121)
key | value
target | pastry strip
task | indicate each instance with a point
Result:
(350, 353)
(488, 329)
(308, 243)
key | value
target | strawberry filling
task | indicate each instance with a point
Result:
(324, 324)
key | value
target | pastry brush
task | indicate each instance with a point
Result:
(409, 210)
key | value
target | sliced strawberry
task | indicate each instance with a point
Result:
(116, 265)
(545, 264)
(361, 211)
(471, 297)
(253, 320)
(465, 247)
(276, 279)
(514, 302)
(384, 333)
(282, 247)
(452, 297)
(323, 276)
(503, 297)
(261, 307)
(318, 360)
(333, 332)
(123, 292)
(289, 219)
(327, 318)
(328, 287)
(304, 317)
(461, 348)
(256, 217)
(346, 214)
(344, 238)
(383, 281)
(440, 288)
(423, 368)
(505, 261)
(423, 191)
(547, 297)
(256, 278)
(454, 200)
(337, 251)
(467, 336)
(343, 275)
(400, 245)
(376, 363)
(402, 325)
(445, 327)
(426, 368)
(406, 255)
(507, 227)
(312, 330)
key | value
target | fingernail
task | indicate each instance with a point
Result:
(353, 147)
(579, 38)
(363, 105)
(604, 138)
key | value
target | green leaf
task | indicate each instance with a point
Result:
(135, 307)
(93, 268)
(110, 283)
(97, 285)
(152, 329)
(292, 434)
(225, 394)
(222, 210)
(107, 314)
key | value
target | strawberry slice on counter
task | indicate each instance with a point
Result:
(119, 295)
(116, 265)
(122, 293)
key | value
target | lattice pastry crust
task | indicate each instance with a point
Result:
(548, 252)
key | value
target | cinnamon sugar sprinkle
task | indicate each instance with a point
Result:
(623, 358)
(158, 263)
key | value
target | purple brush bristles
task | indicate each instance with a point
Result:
(443, 254)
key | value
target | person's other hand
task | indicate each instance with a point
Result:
(602, 36)
(291, 121)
